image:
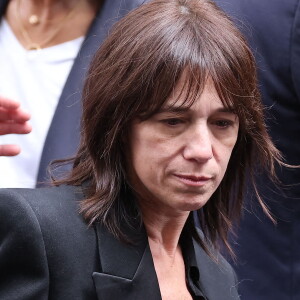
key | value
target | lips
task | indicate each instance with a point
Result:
(193, 180)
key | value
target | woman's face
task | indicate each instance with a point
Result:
(179, 156)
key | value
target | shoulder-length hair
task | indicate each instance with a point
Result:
(132, 75)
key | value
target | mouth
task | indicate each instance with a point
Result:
(193, 180)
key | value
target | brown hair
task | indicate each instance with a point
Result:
(132, 75)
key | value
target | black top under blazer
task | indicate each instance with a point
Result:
(47, 251)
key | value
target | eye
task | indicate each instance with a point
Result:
(223, 123)
(172, 121)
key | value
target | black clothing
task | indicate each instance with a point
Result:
(47, 251)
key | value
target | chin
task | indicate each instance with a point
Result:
(193, 205)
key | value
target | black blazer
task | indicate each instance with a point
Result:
(48, 252)
(63, 135)
(268, 255)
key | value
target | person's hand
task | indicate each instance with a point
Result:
(12, 120)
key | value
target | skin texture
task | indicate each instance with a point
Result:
(12, 120)
(187, 150)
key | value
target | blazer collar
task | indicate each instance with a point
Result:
(217, 279)
(127, 271)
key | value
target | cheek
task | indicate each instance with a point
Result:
(150, 148)
(223, 154)
(145, 155)
(147, 170)
(149, 159)
(146, 152)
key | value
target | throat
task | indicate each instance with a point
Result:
(171, 275)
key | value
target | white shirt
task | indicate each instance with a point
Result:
(35, 78)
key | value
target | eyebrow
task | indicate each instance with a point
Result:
(184, 109)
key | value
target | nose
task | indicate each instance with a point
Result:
(198, 144)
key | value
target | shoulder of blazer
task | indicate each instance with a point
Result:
(23, 259)
(44, 240)
(54, 207)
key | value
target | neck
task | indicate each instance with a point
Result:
(39, 24)
(50, 3)
(163, 230)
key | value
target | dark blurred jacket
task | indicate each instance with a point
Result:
(269, 256)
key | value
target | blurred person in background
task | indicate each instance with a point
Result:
(45, 48)
(268, 256)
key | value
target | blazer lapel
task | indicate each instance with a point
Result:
(127, 271)
(215, 277)
(64, 132)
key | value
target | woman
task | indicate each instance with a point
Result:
(45, 48)
(172, 120)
